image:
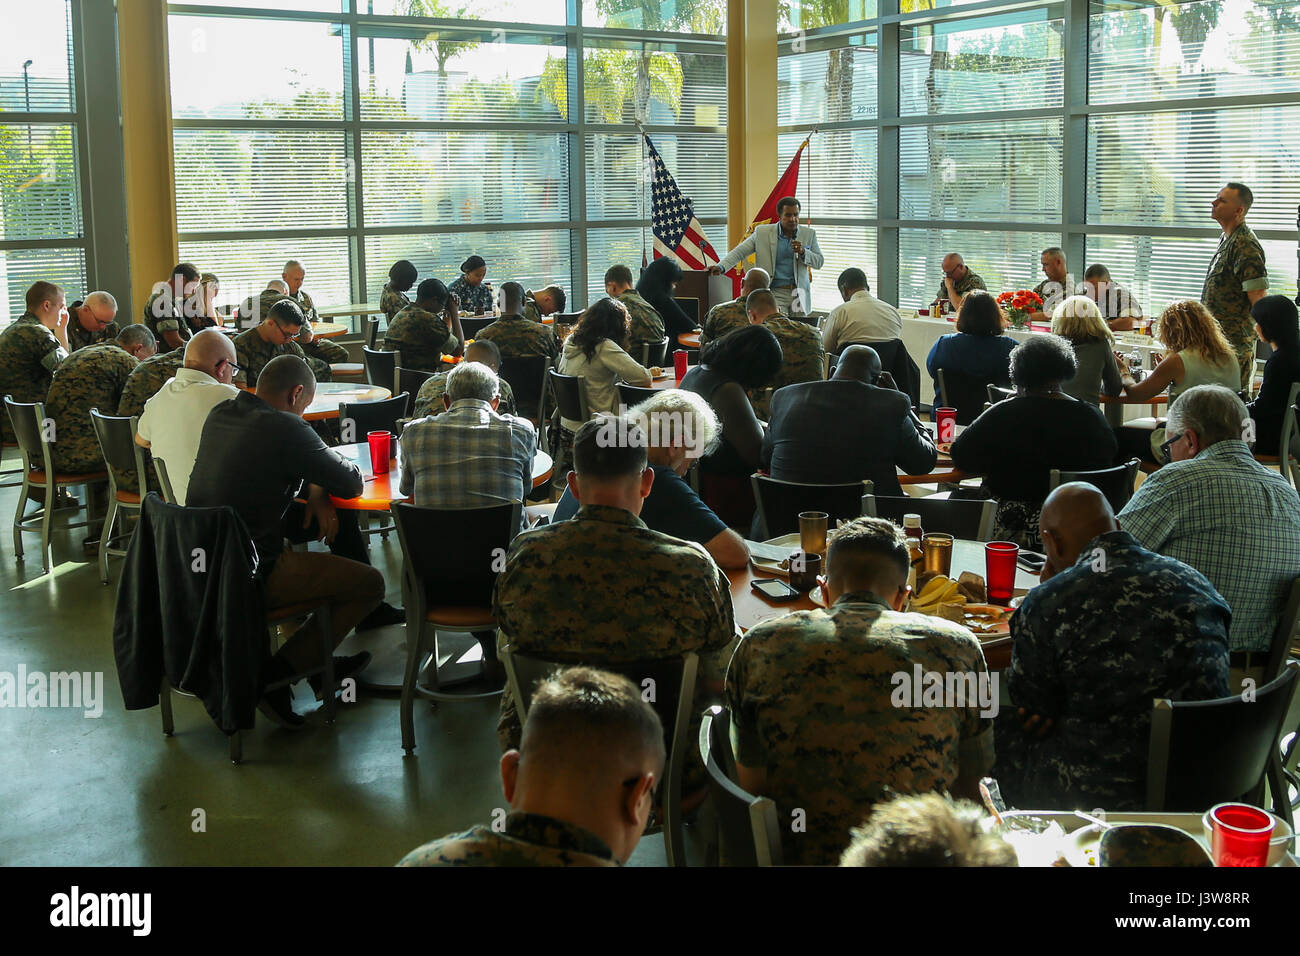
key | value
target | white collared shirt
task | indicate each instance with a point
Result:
(864, 318)
(172, 422)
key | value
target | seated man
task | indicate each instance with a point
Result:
(645, 325)
(173, 418)
(90, 321)
(861, 317)
(819, 719)
(1056, 286)
(276, 335)
(421, 334)
(1112, 627)
(32, 347)
(580, 786)
(957, 281)
(538, 305)
(147, 378)
(682, 428)
(927, 830)
(92, 377)
(255, 459)
(1218, 509)
(276, 290)
(428, 401)
(728, 316)
(1118, 307)
(513, 334)
(323, 349)
(854, 427)
(803, 357)
(168, 310)
(625, 593)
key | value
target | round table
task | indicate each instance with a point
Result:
(382, 490)
(690, 340)
(329, 330)
(668, 380)
(352, 308)
(329, 394)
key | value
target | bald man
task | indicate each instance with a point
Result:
(91, 321)
(173, 419)
(728, 316)
(328, 352)
(957, 281)
(1112, 627)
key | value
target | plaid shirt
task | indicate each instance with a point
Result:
(1233, 520)
(468, 457)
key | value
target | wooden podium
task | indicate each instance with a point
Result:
(698, 292)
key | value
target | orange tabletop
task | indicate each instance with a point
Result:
(382, 490)
(329, 394)
(329, 330)
(351, 308)
(690, 340)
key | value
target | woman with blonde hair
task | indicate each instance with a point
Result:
(1078, 320)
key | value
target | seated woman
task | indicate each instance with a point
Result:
(393, 298)
(1200, 355)
(1078, 320)
(1276, 324)
(427, 329)
(656, 286)
(474, 294)
(209, 286)
(1016, 443)
(748, 358)
(681, 427)
(973, 357)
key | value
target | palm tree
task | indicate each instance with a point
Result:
(443, 49)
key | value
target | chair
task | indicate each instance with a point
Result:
(164, 482)
(372, 333)
(116, 436)
(999, 394)
(748, 831)
(472, 325)
(1286, 633)
(527, 377)
(380, 365)
(1115, 483)
(779, 503)
(410, 380)
(362, 418)
(832, 362)
(966, 393)
(654, 353)
(633, 395)
(30, 424)
(674, 683)
(1204, 752)
(450, 561)
(1288, 442)
(971, 520)
(570, 395)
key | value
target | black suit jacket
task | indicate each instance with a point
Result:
(841, 431)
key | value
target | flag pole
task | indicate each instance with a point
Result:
(640, 203)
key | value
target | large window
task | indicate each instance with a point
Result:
(427, 130)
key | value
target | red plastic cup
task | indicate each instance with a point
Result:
(1000, 570)
(381, 447)
(1239, 834)
(679, 364)
(947, 424)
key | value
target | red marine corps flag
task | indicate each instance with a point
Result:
(678, 234)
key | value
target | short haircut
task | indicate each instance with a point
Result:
(1042, 361)
(852, 279)
(101, 298)
(558, 294)
(209, 278)
(42, 291)
(286, 312)
(620, 274)
(403, 274)
(187, 270)
(1078, 319)
(864, 547)
(491, 350)
(278, 285)
(680, 414)
(472, 380)
(136, 334)
(1215, 413)
(292, 264)
(787, 201)
(928, 829)
(1243, 193)
(1056, 251)
(979, 314)
(1097, 271)
(283, 373)
(605, 452)
(1277, 318)
(750, 356)
(582, 716)
(432, 291)
(761, 300)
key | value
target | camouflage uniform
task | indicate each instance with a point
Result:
(644, 322)
(268, 298)
(516, 337)
(422, 337)
(532, 311)
(252, 352)
(165, 321)
(1052, 293)
(428, 401)
(604, 587)
(723, 318)
(967, 282)
(93, 377)
(473, 298)
(803, 358)
(323, 349)
(29, 354)
(79, 338)
(391, 301)
(147, 378)
(529, 839)
(1237, 268)
(1155, 628)
(811, 697)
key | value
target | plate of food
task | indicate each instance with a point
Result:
(944, 447)
(773, 556)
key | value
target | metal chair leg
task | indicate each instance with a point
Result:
(50, 493)
(18, 517)
(414, 654)
(165, 698)
(105, 537)
(237, 747)
(325, 619)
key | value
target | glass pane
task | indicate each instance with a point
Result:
(1004, 260)
(1186, 50)
(837, 173)
(804, 79)
(676, 16)
(1160, 270)
(518, 11)
(306, 6)
(811, 14)
(461, 81)
(843, 246)
(260, 179)
(655, 86)
(40, 191)
(255, 69)
(419, 177)
(611, 247)
(959, 68)
(618, 184)
(534, 257)
(19, 268)
(1008, 171)
(1183, 159)
(245, 266)
(40, 33)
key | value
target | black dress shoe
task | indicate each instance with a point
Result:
(344, 667)
(277, 706)
(383, 616)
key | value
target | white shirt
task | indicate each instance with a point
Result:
(864, 318)
(608, 364)
(172, 422)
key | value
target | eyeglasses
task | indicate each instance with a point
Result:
(1165, 448)
(234, 369)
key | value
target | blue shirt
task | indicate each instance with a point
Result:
(783, 268)
(986, 357)
(672, 507)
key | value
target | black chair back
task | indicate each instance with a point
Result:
(633, 395)
(116, 435)
(1115, 483)
(748, 833)
(361, 418)
(654, 353)
(450, 555)
(380, 365)
(966, 393)
(372, 333)
(972, 520)
(410, 379)
(569, 397)
(1288, 626)
(779, 503)
(527, 377)
(472, 325)
(26, 418)
(1205, 752)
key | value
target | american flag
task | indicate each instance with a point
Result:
(678, 234)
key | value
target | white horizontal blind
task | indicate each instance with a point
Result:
(837, 173)
(19, 268)
(533, 257)
(245, 266)
(843, 247)
(618, 183)
(828, 86)
(656, 85)
(1006, 261)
